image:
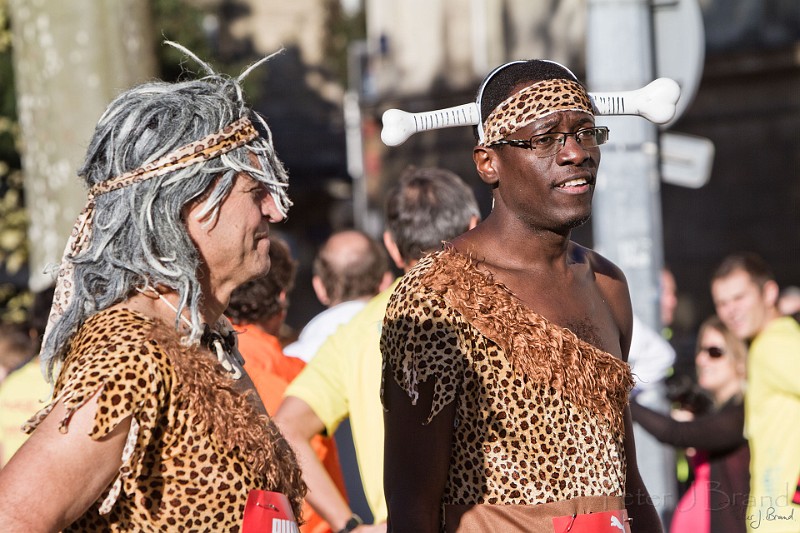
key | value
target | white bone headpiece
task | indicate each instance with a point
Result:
(655, 101)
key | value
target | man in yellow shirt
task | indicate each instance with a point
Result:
(22, 395)
(23, 391)
(258, 310)
(745, 294)
(427, 206)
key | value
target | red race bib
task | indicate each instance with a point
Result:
(268, 512)
(607, 522)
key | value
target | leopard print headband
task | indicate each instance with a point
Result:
(231, 137)
(532, 103)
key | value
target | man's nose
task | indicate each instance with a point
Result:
(573, 150)
(270, 209)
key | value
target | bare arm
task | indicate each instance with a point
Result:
(299, 424)
(55, 477)
(643, 514)
(612, 283)
(416, 458)
(716, 432)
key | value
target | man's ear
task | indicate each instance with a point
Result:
(485, 162)
(319, 290)
(771, 292)
(394, 251)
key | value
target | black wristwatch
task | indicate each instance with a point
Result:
(351, 524)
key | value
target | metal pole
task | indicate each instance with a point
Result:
(354, 140)
(627, 207)
(355, 157)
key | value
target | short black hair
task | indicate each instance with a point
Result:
(501, 83)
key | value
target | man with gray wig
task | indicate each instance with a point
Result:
(152, 417)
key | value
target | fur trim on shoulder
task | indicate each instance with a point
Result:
(538, 350)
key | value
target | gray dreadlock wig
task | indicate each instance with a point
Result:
(139, 237)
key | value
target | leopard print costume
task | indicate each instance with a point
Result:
(182, 470)
(539, 412)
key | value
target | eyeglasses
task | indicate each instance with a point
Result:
(547, 144)
(714, 352)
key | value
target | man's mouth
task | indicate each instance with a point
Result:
(577, 182)
(578, 185)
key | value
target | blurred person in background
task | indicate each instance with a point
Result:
(427, 206)
(717, 499)
(25, 390)
(257, 310)
(745, 294)
(350, 268)
(153, 424)
(16, 348)
(668, 297)
(789, 300)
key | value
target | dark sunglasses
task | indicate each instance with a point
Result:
(714, 352)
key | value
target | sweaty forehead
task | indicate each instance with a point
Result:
(532, 103)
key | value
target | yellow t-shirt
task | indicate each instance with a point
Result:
(344, 378)
(772, 426)
(22, 395)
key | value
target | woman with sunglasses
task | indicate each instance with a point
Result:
(717, 500)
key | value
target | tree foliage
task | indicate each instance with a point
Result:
(13, 218)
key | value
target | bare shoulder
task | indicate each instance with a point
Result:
(612, 285)
(608, 277)
(601, 267)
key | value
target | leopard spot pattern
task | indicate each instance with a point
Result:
(178, 477)
(538, 411)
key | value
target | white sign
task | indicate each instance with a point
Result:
(686, 160)
(680, 47)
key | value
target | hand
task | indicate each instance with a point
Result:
(682, 415)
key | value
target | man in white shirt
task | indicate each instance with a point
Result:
(350, 268)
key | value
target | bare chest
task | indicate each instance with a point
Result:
(577, 304)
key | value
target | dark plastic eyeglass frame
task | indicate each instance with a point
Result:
(528, 145)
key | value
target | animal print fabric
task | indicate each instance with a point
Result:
(231, 137)
(175, 475)
(539, 412)
(532, 103)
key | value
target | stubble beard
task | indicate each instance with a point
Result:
(577, 222)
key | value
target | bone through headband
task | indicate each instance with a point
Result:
(229, 138)
(655, 102)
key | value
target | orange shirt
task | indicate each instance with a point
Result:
(272, 371)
